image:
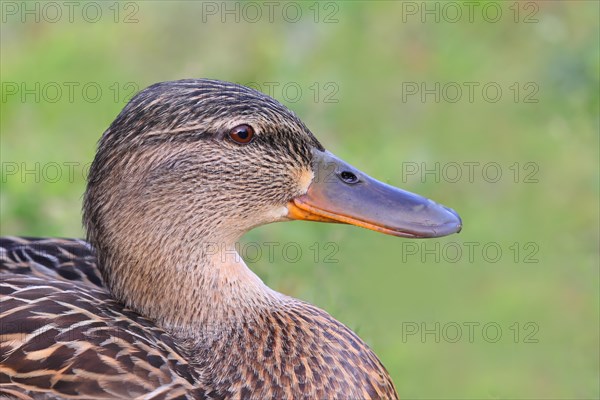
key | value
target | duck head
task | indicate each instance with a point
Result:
(194, 163)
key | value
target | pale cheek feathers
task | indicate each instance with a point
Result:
(304, 180)
(278, 214)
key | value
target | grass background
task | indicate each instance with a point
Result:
(367, 51)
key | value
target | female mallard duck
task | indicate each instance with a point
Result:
(159, 304)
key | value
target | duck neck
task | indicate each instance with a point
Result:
(193, 293)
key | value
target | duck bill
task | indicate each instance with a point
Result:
(343, 194)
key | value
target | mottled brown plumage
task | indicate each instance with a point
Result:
(159, 306)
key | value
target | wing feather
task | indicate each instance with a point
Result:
(63, 336)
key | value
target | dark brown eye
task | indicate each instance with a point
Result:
(242, 134)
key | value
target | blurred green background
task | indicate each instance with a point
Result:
(356, 65)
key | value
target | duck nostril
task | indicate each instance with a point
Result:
(349, 177)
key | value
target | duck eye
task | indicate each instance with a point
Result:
(242, 134)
